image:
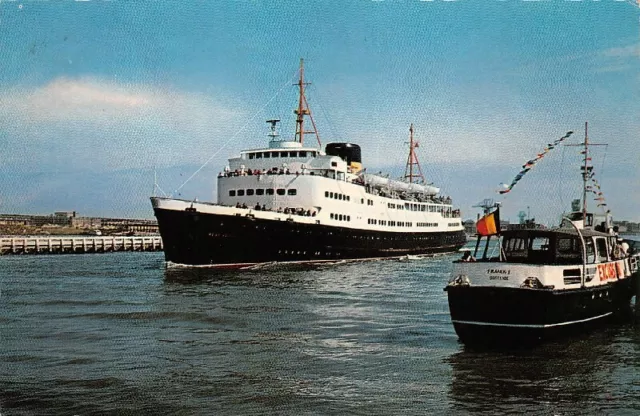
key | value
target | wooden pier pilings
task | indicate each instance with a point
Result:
(73, 244)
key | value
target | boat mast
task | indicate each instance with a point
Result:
(303, 110)
(585, 174)
(412, 159)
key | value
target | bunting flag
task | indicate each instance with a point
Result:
(489, 224)
(531, 163)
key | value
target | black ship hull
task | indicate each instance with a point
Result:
(196, 238)
(498, 316)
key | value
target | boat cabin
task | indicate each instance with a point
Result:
(558, 246)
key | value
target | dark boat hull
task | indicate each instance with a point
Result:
(522, 316)
(195, 238)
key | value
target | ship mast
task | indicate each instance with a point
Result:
(585, 173)
(303, 110)
(412, 159)
(586, 168)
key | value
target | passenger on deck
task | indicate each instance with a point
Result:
(244, 206)
(467, 257)
(257, 207)
(238, 205)
(264, 207)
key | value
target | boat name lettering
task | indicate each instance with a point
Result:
(607, 271)
(498, 271)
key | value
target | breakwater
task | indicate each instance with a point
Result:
(74, 244)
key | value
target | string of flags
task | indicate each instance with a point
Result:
(531, 163)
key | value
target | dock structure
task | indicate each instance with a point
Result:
(74, 244)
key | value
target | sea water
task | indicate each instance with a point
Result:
(121, 334)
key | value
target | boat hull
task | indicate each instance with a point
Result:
(221, 240)
(512, 316)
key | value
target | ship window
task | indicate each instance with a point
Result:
(303, 154)
(330, 194)
(601, 249)
(260, 191)
(348, 198)
(283, 154)
(232, 192)
(292, 154)
(313, 154)
(240, 192)
(270, 191)
(252, 155)
(340, 197)
(423, 208)
(250, 192)
(258, 155)
(362, 200)
(334, 164)
(569, 250)
(267, 155)
(280, 191)
(340, 217)
(331, 216)
(292, 192)
(348, 217)
(326, 194)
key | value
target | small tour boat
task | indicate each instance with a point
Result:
(539, 283)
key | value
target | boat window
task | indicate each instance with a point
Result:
(292, 154)
(259, 191)
(330, 194)
(232, 192)
(334, 164)
(326, 194)
(303, 154)
(340, 197)
(252, 155)
(280, 191)
(569, 251)
(267, 155)
(292, 192)
(250, 192)
(331, 216)
(515, 248)
(601, 250)
(591, 253)
(259, 155)
(348, 217)
(340, 217)
(283, 154)
(240, 192)
(348, 198)
(270, 191)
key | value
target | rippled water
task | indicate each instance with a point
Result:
(119, 333)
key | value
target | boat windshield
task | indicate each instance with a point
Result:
(543, 249)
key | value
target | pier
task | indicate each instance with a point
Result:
(75, 244)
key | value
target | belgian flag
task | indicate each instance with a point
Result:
(489, 224)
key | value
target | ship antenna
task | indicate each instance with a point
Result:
(412, 159)
(304, 110)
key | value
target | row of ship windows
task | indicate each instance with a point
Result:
(415, 207)
(260, 191)
(427, 224)
(452, 224)
(374, 221)
(340, 217)
(271, 155)
(335, 195)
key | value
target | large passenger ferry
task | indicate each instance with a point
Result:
(292, 202)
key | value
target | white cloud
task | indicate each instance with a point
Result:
(101, 124)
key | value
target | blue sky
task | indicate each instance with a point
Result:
(94, 94)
